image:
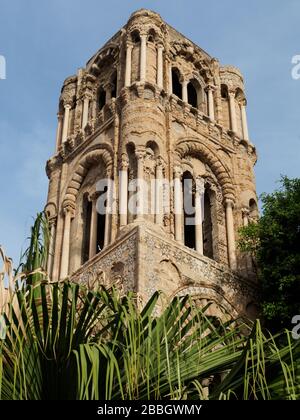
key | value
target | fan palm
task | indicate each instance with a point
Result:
(63, 341)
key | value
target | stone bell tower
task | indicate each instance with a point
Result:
(151, 105)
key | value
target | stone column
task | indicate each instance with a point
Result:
(170, 85)
(52, 223)
(160, 76)
(66, 122)
(58, 130)
(230, 233)
(108, 88)
(93, 229)
(128, 64)
(198, 214)
(210, 97)
(184, 91)
(159, 216)
(244, 121)
(123, 191)
(245, 215)
(64, 265)
(140, 155)
(85, 112)
(143, 58)
(232, 111)
(178, 203)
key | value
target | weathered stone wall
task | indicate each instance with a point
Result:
(120, 110)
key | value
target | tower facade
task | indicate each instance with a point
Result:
(152, 174)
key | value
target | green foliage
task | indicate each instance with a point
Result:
(275, 243)
(65, 342)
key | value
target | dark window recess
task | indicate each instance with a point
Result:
(176, 85)
(102, 98)
(87, 214)
(101, 218)
(207, 227)
(100, 232)
(114, 87)
(189, 198)
(224, 92)
(189, 235)
(192, 95)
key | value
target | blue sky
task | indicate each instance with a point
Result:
(45, 41)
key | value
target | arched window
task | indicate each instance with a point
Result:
(224, 92)
(189, 210)
(239, 98)
(135, 36)
(253, 210)
(101, 98)
(225, 107)
(176, 85)
(207, 226)
(87, 214)
(114, 82)
(151, 36)
(135, 56)
(192, 95)
(132, 175)
(101, 219)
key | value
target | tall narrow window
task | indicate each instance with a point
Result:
(225, 107)
(192, 95)
(100, 231)
(114, 85)
(189, 210)
(207, 226)
(253, 210)
(176, 85)
(86, 216)
(101, 98)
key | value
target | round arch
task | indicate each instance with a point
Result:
(50, 209)
(209, 293)
(82, 168)
(194, 147)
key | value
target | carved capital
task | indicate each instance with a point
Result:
(200, 185)
(86, 95)
(67, 100)
(93, 196)
(210, 87)
(129, 45)
(52, 221)
(160, 162)
(140, 153)
(177, 171)
(231, 92)
(52, 164)
(124, 162)
(245, 212)
(109, 172)
(244, 102)
(69, 208)
(143, 34)
(229, 203)
(108, 86)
